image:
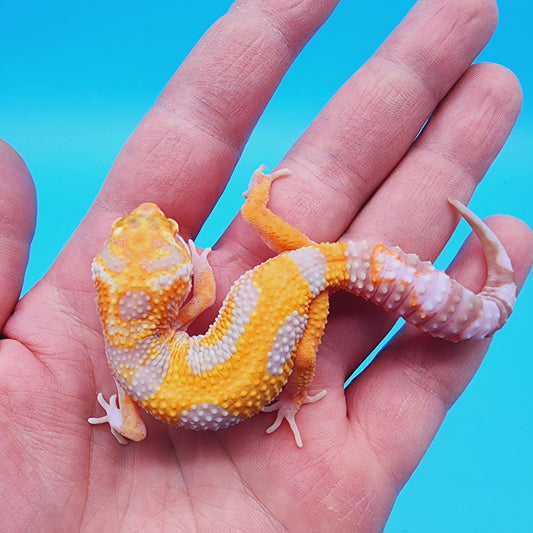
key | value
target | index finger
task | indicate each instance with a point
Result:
(186, 147)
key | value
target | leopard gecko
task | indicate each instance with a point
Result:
(151, 285)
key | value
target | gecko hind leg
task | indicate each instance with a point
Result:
(294, 395)
(279, 235)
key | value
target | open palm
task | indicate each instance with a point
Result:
(355, 173)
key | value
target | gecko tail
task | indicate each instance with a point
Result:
(500, 285)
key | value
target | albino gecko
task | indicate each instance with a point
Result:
(269, 327)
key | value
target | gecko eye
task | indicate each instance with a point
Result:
(174, 227)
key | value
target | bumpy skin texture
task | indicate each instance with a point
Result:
(269, 327)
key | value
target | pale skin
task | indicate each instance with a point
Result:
(362, 444)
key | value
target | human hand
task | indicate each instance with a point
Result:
(355, 174)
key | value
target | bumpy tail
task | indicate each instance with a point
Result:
(500, 284)
(429, 298)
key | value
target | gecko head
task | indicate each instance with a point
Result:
(147, 237)
(144, 260)
(143, 220)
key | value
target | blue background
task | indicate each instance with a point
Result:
(78, 77)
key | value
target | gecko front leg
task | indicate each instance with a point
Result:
(204, 288)
(124, 419)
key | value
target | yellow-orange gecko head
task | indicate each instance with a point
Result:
(142, 274)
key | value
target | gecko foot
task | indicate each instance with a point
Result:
(259, 175)
(195, 256)
(121, 427)
(286, 410)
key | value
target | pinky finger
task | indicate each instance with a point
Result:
(17, 225)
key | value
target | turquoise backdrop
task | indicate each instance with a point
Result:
(78, 76)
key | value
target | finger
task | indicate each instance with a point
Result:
(449, 159)
(411, 209)
(398, 403)
(186, 147)
(17, 224)
(371, 122)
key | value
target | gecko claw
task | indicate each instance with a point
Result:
(258, 175)
(194, 251)
(124, 423)
(113, 417)
(286, 410)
